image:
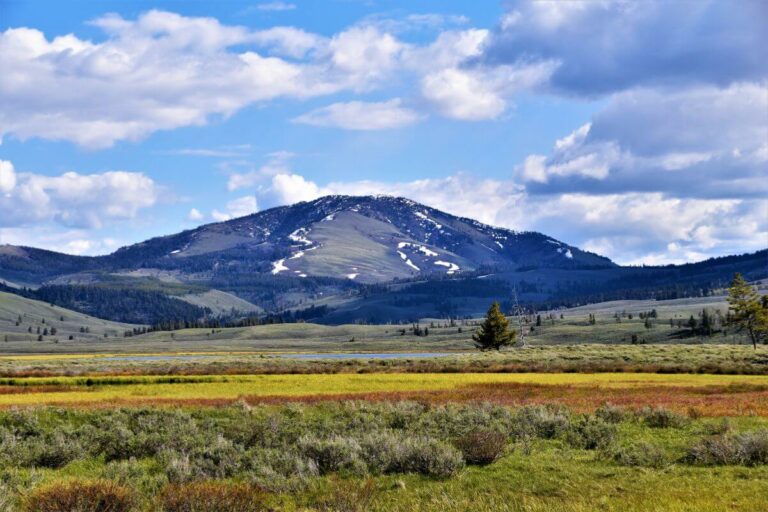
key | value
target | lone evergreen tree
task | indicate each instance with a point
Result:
(494, 332)
(749, 313)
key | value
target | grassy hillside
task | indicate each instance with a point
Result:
(19, 314)
(573, 328)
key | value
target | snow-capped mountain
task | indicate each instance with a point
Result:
(367, 239)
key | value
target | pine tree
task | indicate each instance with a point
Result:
(749, 313)
(494, 332)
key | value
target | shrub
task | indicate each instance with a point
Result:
(49, 450)
(80, 496)
(591, 433)
(212, 496)
(333, 454)
(611, 413)
(427, 456)
(280, 470)
(642, 454)
(657, 417)
(543, 421)
(747, 448)
(482, 446)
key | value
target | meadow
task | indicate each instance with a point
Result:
(405, 455)
(200, 420)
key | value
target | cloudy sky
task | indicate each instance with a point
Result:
(638, 130)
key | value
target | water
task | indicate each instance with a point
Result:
(382, 355)
(159, 357)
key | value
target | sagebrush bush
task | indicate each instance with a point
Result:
(212, 496)
(80, 496)
(542, 421)
(590, 433)
(333, 454)
(280, 470)
(747, 448)
(43, 449)
(641, 454)
(657, 417)
(611, 413)
(427, 456)
(482, 446)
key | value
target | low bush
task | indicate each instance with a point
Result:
(427, 456)
(747, 448)
(591, 433)
(80, 496)
(611, 413)
(657, 417)
(212, 496)
(482, 446)
(333, 454)
(542, 421)
(642, 454)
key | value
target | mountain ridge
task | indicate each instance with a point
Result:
(358, 258)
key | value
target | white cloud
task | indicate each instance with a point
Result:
(293, 188)
(159, 72)
(288, 41)
(195, 215)
(276, 6)
(363, 55)
(78, 242)
(474, 94)
(277, 163)
(7, 176)
(76, 200)
(237, 208)
(359, 115)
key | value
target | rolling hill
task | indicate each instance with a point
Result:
(20, 319)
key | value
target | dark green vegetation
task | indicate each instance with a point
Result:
(346, 260)
(386, 456)
(494, 332)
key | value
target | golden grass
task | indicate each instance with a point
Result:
(581, 389)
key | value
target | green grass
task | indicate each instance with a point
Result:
(543, 473)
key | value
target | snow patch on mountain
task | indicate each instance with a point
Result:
(452, 267)
(299, 236)
(278, 266)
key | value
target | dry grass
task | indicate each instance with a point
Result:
(80, 496)
(212, 496)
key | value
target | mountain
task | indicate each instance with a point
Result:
(351, 258)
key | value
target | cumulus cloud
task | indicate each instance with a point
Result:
(277, 163)
(158, 72)
(479, 93)
(703, 142)
(613, 45)
(360, 115)
(73, 199)
(7, 176)
(74, 241)
(236, 208)
(195, 215)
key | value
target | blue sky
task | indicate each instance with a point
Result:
(638, 130)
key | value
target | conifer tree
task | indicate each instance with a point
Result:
(748, 311)
(494, 332)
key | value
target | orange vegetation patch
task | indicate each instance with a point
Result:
(728, 400)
